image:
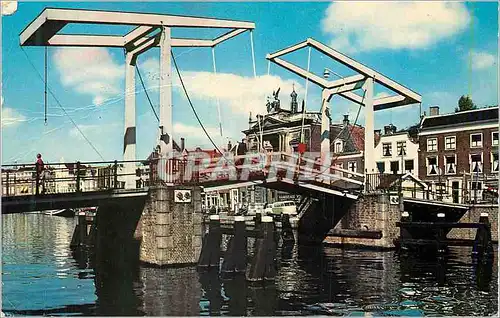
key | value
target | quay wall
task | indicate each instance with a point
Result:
(371, 212)
(472, 216)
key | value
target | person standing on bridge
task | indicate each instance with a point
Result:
(40, 172)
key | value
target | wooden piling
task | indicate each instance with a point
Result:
(210, 252)
(80, 233)
(263, 265)
(483, 246)
(286, 230)
(236, 254)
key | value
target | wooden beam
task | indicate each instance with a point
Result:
(77, 40)
(378, 77)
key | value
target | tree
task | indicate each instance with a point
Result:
(465, 103)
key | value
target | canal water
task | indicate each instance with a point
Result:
(41, 276)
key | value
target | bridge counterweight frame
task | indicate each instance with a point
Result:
(44, 31)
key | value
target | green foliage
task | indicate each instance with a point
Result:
(465, 103)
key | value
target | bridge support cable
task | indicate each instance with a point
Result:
(60, 105)
(46, 83)
(192, 106)
(217, 100)
(146, 91)
(305, 96)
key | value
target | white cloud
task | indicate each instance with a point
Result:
(195, 136)
(482, 60)
(364, 26)
(10, 117)
(8, 7)
(74, 133)
(90, 71)
(241, 94)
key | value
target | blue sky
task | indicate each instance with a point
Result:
(424, 46)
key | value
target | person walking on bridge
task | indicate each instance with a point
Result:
(40, 173)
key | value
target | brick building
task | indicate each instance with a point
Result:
(458, 156)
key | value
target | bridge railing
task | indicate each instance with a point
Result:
(470, 190)
(199, 168)
(68, 177)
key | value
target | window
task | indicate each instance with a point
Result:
(476, 140)
(381, 167)
(401, 145)
(494, 162)
(338, 146)
(476, 191)
(340, 166)
(386, 149)
(476, 165)
(450, 143)
(432, 169)
(351, 166)
(394, 166)
(432, 144)
(409, 166)
(494, 138)
(450, 164)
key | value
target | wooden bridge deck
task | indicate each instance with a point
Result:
(29, 203)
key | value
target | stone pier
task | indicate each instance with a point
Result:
(170, 227)
(370, 215)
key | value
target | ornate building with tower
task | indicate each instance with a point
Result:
(281, 130)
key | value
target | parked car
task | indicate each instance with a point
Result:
(283, 207)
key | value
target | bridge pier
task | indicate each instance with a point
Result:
(170, 227)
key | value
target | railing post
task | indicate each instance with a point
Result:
(78, 176)
(115, 174)
(37, 189)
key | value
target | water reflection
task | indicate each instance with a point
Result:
(41, 275)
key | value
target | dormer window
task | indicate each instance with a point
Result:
(339, 147)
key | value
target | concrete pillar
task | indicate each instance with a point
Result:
(369, 127)
(165, 132)
(129, 134)
(171, 231)
(325, 130)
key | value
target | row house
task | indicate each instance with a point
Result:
(396, 152)
(458, 154)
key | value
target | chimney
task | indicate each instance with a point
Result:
(434, 110)
(346, 120)
(394, 129)
(389, 129)
(182, 144)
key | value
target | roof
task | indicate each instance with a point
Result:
(353, 143)
(389, 180)
(466, 117)
(283, 119)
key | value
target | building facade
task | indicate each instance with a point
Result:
(282, 130)
(458, 157)
(396, 152)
